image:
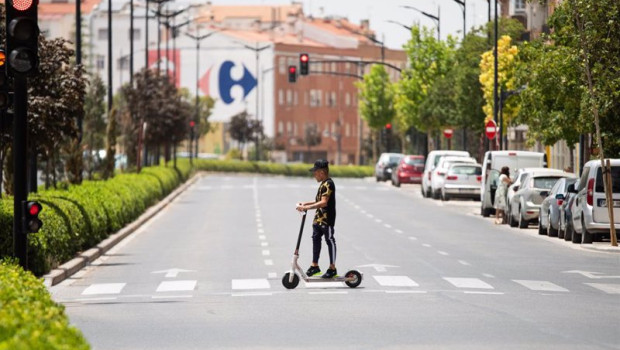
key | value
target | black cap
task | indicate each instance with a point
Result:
(320, 164)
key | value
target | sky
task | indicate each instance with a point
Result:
(380, 11)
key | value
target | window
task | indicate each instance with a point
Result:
(295, 129)
(289, 128)
(123, 63)
(316, 97)
(295, 98)
(519, 5)
(282, 65)
(280, 97)
(289, 97)
(347, 99)
(100, 62)
(333, 100)
(347, 130)
(136, 33)
(333, 66)
(102, 34)
(280, 128)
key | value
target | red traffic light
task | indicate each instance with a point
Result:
(22, 5)
(292, 69)
(192, 123)
(388, 126)
(304, 57)
(34, 208)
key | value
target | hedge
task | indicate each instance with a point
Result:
(279, 169)
(29, 319)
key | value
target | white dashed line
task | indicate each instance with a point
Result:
(398, 231)
(269, 262)
(463, 262)
(262, 237)
(488, 275)
(405, 292)
(176, 286)
(328, 293)
(264, 244)
(442, 253)
(266, 253)
(427, 245)
(484, 293)
(413, 238)
(378, 221)
(272, 275)
(387, 226)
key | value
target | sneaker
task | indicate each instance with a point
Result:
(313, 270)
(330, 273)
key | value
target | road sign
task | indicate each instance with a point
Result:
(490, 129)
(447, 133)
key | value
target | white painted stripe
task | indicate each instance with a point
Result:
(413, 238)
(96, 299)
(405, 292)
(260, 230)
(259, 224)
(441, 252)
(544, 286)
(262, 237)
(263, 294)
(251, 284)
(370, 216)
(378, 221)
(104, 288)
(325, 293)
(266, 253)
(472, 283)
(363, 211)
(488, 275)
(269, 262)
(606, 287)
(272, 275)
(264, 244)
(426, 245)
(171, 296)
(398, 231)
(387, 226)
(463, 262)
(319, 285)
(395, 281)
(483, 293)
(176, 286)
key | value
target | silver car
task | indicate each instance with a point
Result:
(525, 205)
(551, 208)
(462, 180)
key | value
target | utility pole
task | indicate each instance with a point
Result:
(495, 73)
(110, 60)
(131, 47)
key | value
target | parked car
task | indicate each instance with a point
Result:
(462, 180)
(439, 174)
(525, 205)
(492, 165)
(590, 215)
(432, 160)
(516, 183)
(408, 171)
(566, 216)
(550, 209)
(387, 162)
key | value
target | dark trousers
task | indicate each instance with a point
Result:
(319, 231)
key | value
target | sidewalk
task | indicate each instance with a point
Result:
(601, 247)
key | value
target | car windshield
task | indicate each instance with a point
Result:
(615, 180)
(395, 159)
(545, 182)
(414, 161)
(466, 170)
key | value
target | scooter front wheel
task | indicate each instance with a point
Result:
(354, 278)
(286, 281)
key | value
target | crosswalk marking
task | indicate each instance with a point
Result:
(472, 283)
(251, 284)
(176, 286)
(606, 287)
(104, 288)
(395, 281)
(543, 286)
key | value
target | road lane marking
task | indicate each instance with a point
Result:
(395, 281)
(104, 288)
(543, 286)
(176, 286)
(266, 253)
(387, 226)
(370, 216)
(95, 299)
(262, 237)
(441, 252)
(264, 244)
(483, 293)
(426, 245)
(378, 221)
(269, 262)
(260, 230)
(463, 262)
(260, 283)
(413, 238)
(319, 285)
(405, 292)
(398, 231)
(272, 275)
(488, 275)
(471, 283)
(606, 287)
(171, 296)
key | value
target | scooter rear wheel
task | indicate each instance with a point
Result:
(354, 278)
(286, 282)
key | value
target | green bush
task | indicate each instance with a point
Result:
(29, 319)
(279, 169)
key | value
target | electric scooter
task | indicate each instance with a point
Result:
(352, 278)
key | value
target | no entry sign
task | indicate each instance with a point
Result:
(448, 133)
(490, 129)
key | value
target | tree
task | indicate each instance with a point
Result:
(312, 136)
(376, 95)
(244, 129)
(94, 122)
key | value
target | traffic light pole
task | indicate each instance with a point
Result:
(20, 126)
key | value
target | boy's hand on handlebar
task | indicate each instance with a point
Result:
(300, 207)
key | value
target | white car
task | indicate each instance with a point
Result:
(589, 211)
(462, 180)
(516, 183)
(439, 173)
(432, 160)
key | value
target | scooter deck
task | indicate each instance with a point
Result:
(321, 279)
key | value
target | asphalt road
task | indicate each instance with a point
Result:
(436, 276)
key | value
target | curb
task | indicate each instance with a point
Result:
(74, 265)
(607, 248)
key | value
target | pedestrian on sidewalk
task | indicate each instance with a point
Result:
(324, 219)
(500, 195)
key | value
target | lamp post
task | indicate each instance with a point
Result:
(495, 72)
(109, 56)
(198, 38)
(400, 24)
(168, 15)
(464, 7)
(433, 17)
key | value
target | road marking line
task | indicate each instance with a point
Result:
(171, 296)
(463, 262)
(264, 244)
(260, 283)
(251, 294)
(326, 293)
(387, 226)
(442, 253)
(488, 275)
(413, 238)
(272, 275)
(472, 283)
(405, 292)
(96, 299)
(426, 245)
(104, 288)
(544, 286)
(262, 237)
(269, 262)
(378, 221)
(395, 281)
(259, 224)
(370, 216)
(176, 286)
(363, 211)
(398, 231)
(266, 253)
(260, 230)
(483, 293)
(606, 287)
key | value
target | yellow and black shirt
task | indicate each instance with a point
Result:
(326, 216)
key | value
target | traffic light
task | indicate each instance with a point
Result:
(304, 61)
(22, 39)
(32, 224)
(4, 84)
(292, 74)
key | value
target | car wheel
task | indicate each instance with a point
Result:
(444, 196)
(511, 220)
(378, 179)
(541, 230)
(397, 183)
(568, 232)
(586, 237)
(522, 222)
(436, 194)
(575, 237)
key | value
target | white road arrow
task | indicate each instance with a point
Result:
(172, 273)
(589, 274)
(378, 267)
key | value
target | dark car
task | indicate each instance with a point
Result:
(408, 171)
(550, 210)
(566, 217)
(387, 162)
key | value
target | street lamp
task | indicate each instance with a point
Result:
(495, 72)
(433, 17)
(400, 24)
(198, 38)
(464, 6)
(168, 15)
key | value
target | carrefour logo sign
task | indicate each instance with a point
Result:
(227, 80)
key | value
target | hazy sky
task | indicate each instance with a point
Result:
(380, 11)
